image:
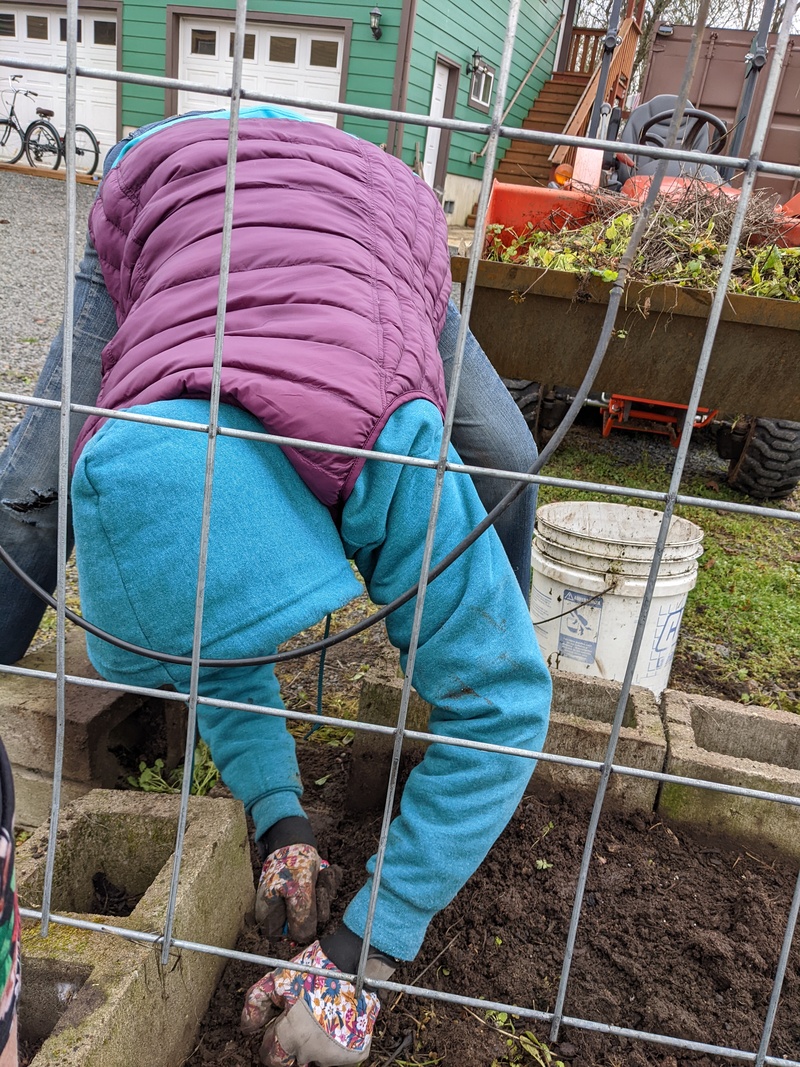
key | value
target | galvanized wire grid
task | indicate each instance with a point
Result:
(493, 130)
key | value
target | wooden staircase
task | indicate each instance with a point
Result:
(526, 163)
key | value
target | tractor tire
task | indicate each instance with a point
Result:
(543, 406)
(526, 396)
(768, 465)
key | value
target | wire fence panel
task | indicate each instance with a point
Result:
(199, 665)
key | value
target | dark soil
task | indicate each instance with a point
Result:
(679, 935)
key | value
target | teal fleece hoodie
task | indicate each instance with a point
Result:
(277, 564)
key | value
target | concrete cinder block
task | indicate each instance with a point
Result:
(106, 1001)
(581, 715)
(580, 726)
(33, 791)
(100, 724)
(720, 741)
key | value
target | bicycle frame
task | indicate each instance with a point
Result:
(40, 139)
(15, 90)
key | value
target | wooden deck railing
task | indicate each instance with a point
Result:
(616, 86)
(585, 50)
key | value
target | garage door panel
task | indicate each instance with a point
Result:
(319, 89)
(39, 33)
(287, 61)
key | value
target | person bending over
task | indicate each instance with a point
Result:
(338, 293)
(488, 431)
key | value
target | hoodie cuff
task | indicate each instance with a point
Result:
(293, 830)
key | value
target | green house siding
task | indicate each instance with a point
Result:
(143, 52)
(370, 74)
(441, 27)
(462, 34)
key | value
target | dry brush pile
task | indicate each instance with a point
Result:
(683, 245)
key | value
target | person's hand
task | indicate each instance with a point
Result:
(295, 889)
(319, 1019)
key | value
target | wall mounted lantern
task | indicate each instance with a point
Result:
(375, 23)
(478, 65)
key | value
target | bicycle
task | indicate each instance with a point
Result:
(40, 141)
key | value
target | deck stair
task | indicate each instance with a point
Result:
(525, 162)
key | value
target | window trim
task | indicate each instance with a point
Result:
(63, 29)
(247, 37)
(293, 63)
(479, 77)
(28, 16)
(99, 44)
(196, 40)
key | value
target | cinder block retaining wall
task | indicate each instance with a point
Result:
(100, 724)
(684, 735)
(107, 1002)
(101, 1000)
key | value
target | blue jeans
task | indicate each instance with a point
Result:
(29, 463)
(488, 431)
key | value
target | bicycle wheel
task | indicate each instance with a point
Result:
(11, 145)
(87, 150)
(43, 145)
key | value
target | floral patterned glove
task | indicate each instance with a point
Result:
(296, 887)
(320, 1020)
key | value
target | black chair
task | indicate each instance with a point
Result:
(649, 124)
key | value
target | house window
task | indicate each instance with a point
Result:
(8, 26)
(105, 33)
(204, 42)
(62, 29)
(282, 49)
(37, 27)
(324, 53)
(480, 88)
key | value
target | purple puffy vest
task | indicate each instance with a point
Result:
(338, 285)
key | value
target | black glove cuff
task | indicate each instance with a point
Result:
(343, 949)
(293, 830)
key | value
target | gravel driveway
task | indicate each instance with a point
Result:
(32, 248)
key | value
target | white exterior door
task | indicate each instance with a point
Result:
(39, 33)
(434, 136)
(284, 60)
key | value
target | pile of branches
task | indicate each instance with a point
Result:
(684, 243)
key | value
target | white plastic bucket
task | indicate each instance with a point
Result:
(590, 566)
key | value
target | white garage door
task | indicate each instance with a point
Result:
(40, 34)
(284, 60)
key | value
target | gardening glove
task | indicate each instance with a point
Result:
(295, 889)
(319, 1019)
